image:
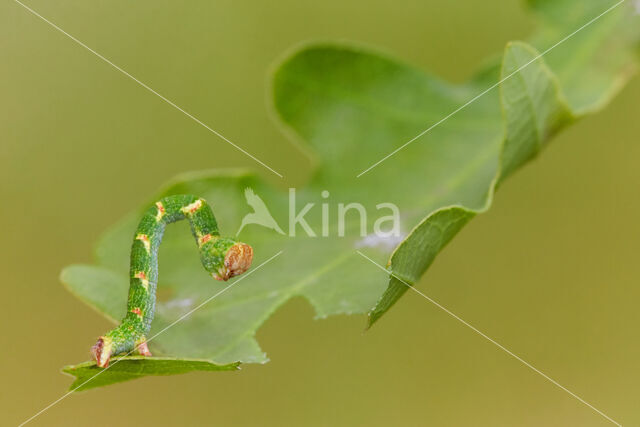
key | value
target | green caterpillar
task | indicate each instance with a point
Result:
(222, 257)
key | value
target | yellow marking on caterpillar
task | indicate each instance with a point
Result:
(204, 239)
(137, 312)
(145, 241)
(143, 279)
(191, 208)
(161, 211)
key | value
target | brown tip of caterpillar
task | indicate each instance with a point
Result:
(101, 353)
(236, 261)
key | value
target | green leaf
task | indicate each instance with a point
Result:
(533, 104)
(352, 107)
(88, 375)
(533, 109)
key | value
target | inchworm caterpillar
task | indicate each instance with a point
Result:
(222, 257)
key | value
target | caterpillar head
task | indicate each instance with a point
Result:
(228, 258)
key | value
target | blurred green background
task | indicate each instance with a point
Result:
(550, 272)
